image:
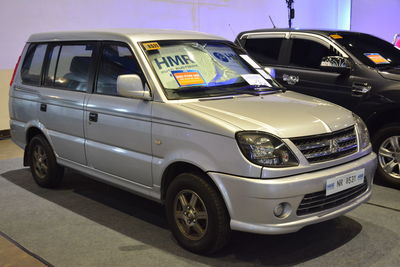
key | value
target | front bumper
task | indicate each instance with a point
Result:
(251, 202)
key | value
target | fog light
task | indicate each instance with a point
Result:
(283, 210)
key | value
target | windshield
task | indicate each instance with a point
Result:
(370, 50)
(197, 69)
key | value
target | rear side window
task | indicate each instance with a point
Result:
(69, 66)
(265, 51)
(32, 67)
(53, 57)
(115, 60)
(308, 54)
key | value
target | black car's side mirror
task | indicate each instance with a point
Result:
(335, 64)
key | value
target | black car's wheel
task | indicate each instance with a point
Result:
(386, 144)
(44, 168)
(197, 214)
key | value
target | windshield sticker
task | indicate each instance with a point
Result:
(226, 58)
(336, 36)
(151, 46)
(250, 61)
(255, 79)
(213, 64)
(188, 77)
(376, 58)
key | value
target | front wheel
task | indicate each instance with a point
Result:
(386, 144)
(197, 214)
(45, 170)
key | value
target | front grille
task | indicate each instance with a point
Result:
(318, 201)
(326, 147)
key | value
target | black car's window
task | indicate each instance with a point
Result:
(32, 67)
(265, 50)
(69, 66)
(370, 50)
(308, 53)
(115, 60)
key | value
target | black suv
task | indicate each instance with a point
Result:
(355, 70)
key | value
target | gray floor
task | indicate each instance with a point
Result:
(86, 223)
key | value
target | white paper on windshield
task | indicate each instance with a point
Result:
(255, 79)
(250, 61)
(264, 73)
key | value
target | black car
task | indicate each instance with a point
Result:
(355, 70)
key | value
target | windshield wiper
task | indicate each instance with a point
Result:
(386, 67)
(256, 89)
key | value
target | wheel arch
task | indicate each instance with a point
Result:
(30, 133)
(176, 168)
(383, 119)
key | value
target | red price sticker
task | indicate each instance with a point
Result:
(377, 58)
(186, 78)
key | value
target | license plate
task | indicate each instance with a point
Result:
(344, 181)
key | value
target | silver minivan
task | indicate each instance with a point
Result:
(189, 120)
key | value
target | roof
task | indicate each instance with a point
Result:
(136, 35)
(317, 31)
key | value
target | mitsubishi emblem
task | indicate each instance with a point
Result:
(334, 146)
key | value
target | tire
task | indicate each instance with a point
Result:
(202, 227)
(42, 161)
(386, 144)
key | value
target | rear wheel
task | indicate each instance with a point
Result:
(45, 170)
(386, 144)
(197, 214)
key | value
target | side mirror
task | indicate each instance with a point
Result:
(130, 85)
(335, 64)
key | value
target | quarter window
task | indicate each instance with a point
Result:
(32, 67)
(115, 60)
(265, 51)
(308, 54)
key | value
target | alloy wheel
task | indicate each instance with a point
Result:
(389, 156)
(40, 162)
(190, 215)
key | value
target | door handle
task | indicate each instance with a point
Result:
(93, 116)
(43, 107)
(360, 89)
(290, 79)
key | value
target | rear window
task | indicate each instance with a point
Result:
(32, 67)
(69, 66)
(265, 51)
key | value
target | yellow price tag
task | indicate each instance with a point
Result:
(151, 46)
(336, 36)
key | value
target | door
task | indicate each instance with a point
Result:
(302, 74)
(118, 129)
(66, 80)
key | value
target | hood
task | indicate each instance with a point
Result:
(285, 115)
(391, 74)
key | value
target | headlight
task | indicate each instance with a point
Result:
(362, 131)
(265, 150)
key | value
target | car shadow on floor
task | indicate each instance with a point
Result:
(144, 220)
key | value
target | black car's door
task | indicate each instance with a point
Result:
(302, 74)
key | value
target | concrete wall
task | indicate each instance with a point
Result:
(226, 18)
(380, 18)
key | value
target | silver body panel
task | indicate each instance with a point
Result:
(119, 143)
(134, 141)
(251, 201)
